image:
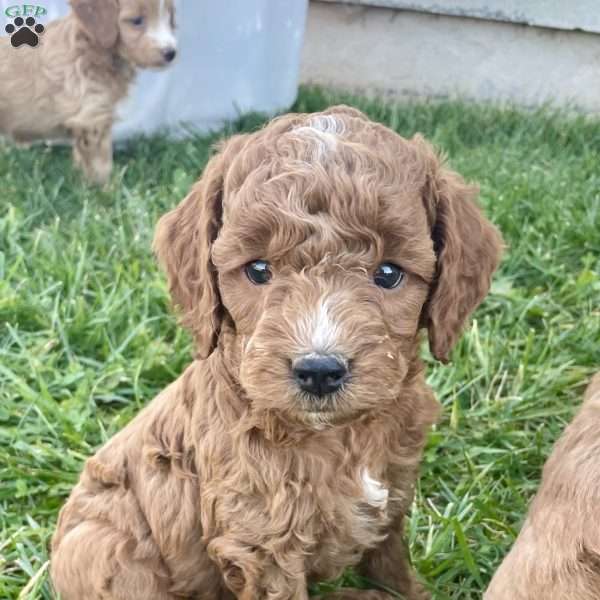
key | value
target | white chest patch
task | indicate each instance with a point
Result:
(376, 494)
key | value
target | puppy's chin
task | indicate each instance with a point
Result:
(323, 413)
(299, 420)
(299, 411)
(321, 420)
(159, 65)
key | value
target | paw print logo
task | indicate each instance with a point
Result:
(24, 32)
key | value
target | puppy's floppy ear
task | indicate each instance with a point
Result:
(100, 18)
(183, 244)
(468, 249)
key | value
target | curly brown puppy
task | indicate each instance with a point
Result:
(557, 553)
(69, 86)
(305, 261)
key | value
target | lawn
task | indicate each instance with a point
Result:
(87, 337)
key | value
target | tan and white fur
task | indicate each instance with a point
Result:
(557, 553)
(237, 481)
(68, 87)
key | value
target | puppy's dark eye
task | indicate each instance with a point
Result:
(388, 276)
(137, 21)
(258, 271)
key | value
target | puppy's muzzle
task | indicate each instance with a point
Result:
(319, 375)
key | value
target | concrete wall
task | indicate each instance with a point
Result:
(556, 14)
(413, 53)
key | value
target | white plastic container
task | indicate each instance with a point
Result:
(235, 56)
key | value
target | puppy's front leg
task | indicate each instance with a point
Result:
(253, 574)
(389, 565)
(272, 583)
(97, 561)
(93, 152)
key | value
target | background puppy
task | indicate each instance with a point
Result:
(69, 85)
(305, 261)
(557, 553)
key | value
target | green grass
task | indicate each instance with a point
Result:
(86, 336)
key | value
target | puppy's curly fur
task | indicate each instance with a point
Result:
(557, 553)
(233, 482)
(69, 86)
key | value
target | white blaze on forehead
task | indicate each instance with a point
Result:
(325, 130)
(161, 31)
(318, 331)
(375, 492)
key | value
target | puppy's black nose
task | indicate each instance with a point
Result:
(169, 54)
(319, 375)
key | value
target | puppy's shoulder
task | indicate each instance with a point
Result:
(115, 462)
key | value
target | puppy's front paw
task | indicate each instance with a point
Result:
(92, 154)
